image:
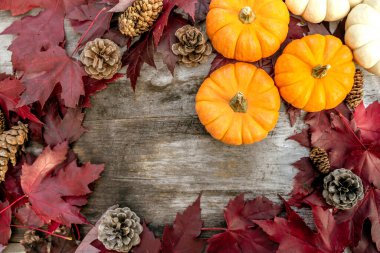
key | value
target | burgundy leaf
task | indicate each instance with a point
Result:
(149, 243)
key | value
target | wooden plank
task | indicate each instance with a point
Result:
(158, 156)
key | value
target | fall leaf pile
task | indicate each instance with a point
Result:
(266, 50)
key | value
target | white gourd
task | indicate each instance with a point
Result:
(316, 11)
(363, 34)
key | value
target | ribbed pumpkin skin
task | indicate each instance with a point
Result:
(221, 121)
(247, 42)
(297, 85)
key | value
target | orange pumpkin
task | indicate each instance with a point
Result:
(315, 73)
(238, 104)
(247, 30)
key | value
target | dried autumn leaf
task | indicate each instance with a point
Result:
(35, 34)
(242, 234)
(368, 121)
(5, 222)
(93, 17)
(188, 6)
(10, 90)
(122, 5)
(183, 235)
(149, 243)
(46, 188)
(26, 216)
(48, 69)
(365, 244)
(295, 236)
(57, 130)
(368, 208)
(18, 7)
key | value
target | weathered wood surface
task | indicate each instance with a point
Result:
(158, 156)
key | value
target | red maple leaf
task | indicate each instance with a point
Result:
(242, 234)
(93, 17)
(10, 90)
(18, 7)
(35, 34)
(183, 235)
(5, 222)
(58, 130)
(122, 5)
(295, 236)
(45, 71)
(141, 52)
(365, 245)
(368, 208)
(149, 243)
(188, 6)
(46, 188)
(26, 216)
(368, 121)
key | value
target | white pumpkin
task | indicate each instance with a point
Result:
(363, 34)
(316, 11)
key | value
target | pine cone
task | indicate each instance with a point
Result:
(320, 159)
(10, 143)
(342, 189)
(192, 48)
(2, 122)
(102, 58)
(139, 17)
(119, 229)
(33, 242)
(355, 97)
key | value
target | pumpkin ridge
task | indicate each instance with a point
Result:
(298, 58)
(257, 121)
(217, 31)
(229, 126)
(219, 91)
(306, 95)
(248, 84)
(216, 118)
(258, 8)
(338, 80)
(294, 58)
(301, 78)
(259, 24)
(314, 88)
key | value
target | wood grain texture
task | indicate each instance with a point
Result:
(158, 156)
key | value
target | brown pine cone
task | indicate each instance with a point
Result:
(139, 17)
(10, 143)
(342, 189)
(120, 229)
(101, 58)
(192, 48)
(3, 122)
(33, 242)
(355, 97)
(320, 159)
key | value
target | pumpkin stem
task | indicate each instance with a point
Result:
(239, 103)
(320, 71)
(246, 15)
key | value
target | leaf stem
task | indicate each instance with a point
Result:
(349, 127)
(44, 231)
(213, 229)
(88, 30)
(13, 203)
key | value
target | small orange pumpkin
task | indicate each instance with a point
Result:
(238, 104)
(315, 73)
(247, 30)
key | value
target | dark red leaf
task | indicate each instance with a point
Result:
(35, 34)
(365, 244)
(141, 52)
(295, 236)
(26, 216)
(297, 29)
(239, 236)
(168, 39)
(45, 71)
(45, 191)
(368, 208)
(188, 6)
(303, 138)
(149, 243)
(122, 5)
(58, 130)
(10, 90)
(18, 7)
(368, 121)
(318, 29)
(5, 222)
(92, 17)
(293, 113)
(202, 8)
(183, 235)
